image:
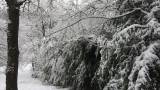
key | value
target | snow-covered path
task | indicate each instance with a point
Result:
(26, 82)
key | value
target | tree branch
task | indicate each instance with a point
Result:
(107, 18)
(4, 59)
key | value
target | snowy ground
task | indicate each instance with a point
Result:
(26, 82)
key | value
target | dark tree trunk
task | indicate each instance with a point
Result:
(12, 41)
(43, 29)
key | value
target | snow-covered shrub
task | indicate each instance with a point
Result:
(77, 65)
(146, 70)
(72, 64)
(118, 55)
(46, 54)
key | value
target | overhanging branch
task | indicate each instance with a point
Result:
(107, 18)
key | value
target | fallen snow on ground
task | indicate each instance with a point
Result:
(26, 82)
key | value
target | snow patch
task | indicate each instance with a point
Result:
(2, 69)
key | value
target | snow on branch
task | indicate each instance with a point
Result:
(107, 18)
(145, 65)
(132, 26)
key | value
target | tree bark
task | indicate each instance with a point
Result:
(12, 41)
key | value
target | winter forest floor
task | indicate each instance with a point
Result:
(26, 82)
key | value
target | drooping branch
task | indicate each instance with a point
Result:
(107, 18)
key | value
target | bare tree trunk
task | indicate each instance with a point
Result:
(12, 41)
(43, 29)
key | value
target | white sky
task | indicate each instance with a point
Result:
(79, 1)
